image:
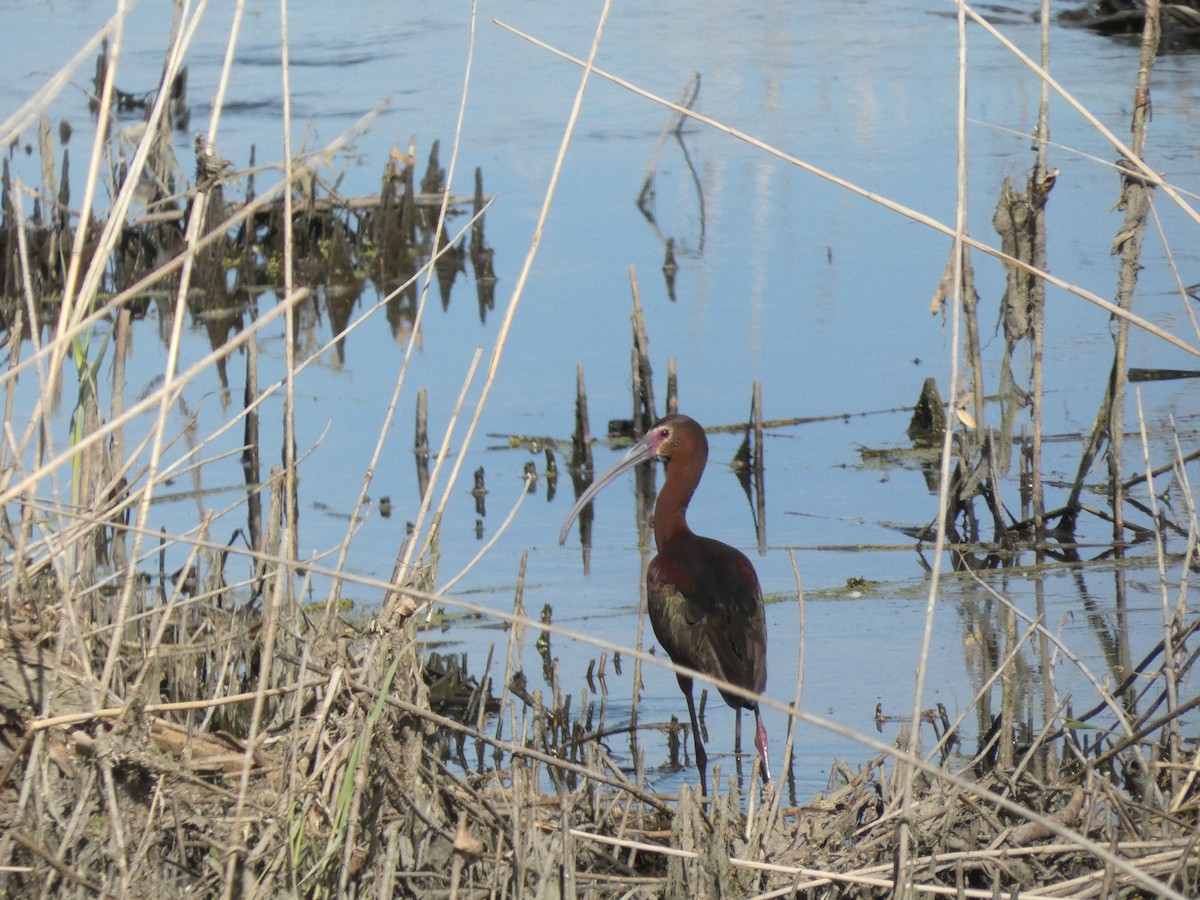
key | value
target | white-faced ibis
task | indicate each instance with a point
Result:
(705, 602)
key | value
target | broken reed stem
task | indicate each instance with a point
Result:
(281, 595)
(643, 378)
(581, 447)
(972, 436)
(1011, 693)
(14, 463)
(66, 312)
(122, 328)
(116, 712)
(516, 644)
(1051, 707)
(582, 468)
(760, 468)
(1183, 790)
(639, 643)
(113, 227)
(672, 388)
(218, 103)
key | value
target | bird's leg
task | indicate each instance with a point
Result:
(760, 741)
(685, 685)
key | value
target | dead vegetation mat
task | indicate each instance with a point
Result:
(356, 785)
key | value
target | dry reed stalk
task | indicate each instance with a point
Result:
(1171, 673)
(284, 584)
(904, 874)
(1135, 200)
(789, 743)
(1188, 312)
(1038, 287)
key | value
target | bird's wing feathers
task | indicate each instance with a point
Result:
(707, 611)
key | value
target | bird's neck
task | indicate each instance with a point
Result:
(670, 510)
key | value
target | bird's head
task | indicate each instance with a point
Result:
(673, 437)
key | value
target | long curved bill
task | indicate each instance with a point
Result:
(639, 452)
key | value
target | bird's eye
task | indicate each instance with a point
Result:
(664, 433)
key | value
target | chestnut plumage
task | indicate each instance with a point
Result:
(705, 603)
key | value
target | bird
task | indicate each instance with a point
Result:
(704, 598)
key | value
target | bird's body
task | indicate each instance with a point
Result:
(705, 603)
(714, 625)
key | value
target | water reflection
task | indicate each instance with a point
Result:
(341, 244)
(647, 198)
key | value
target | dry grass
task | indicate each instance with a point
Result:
(170, 733)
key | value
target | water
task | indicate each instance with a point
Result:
(784, 278)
